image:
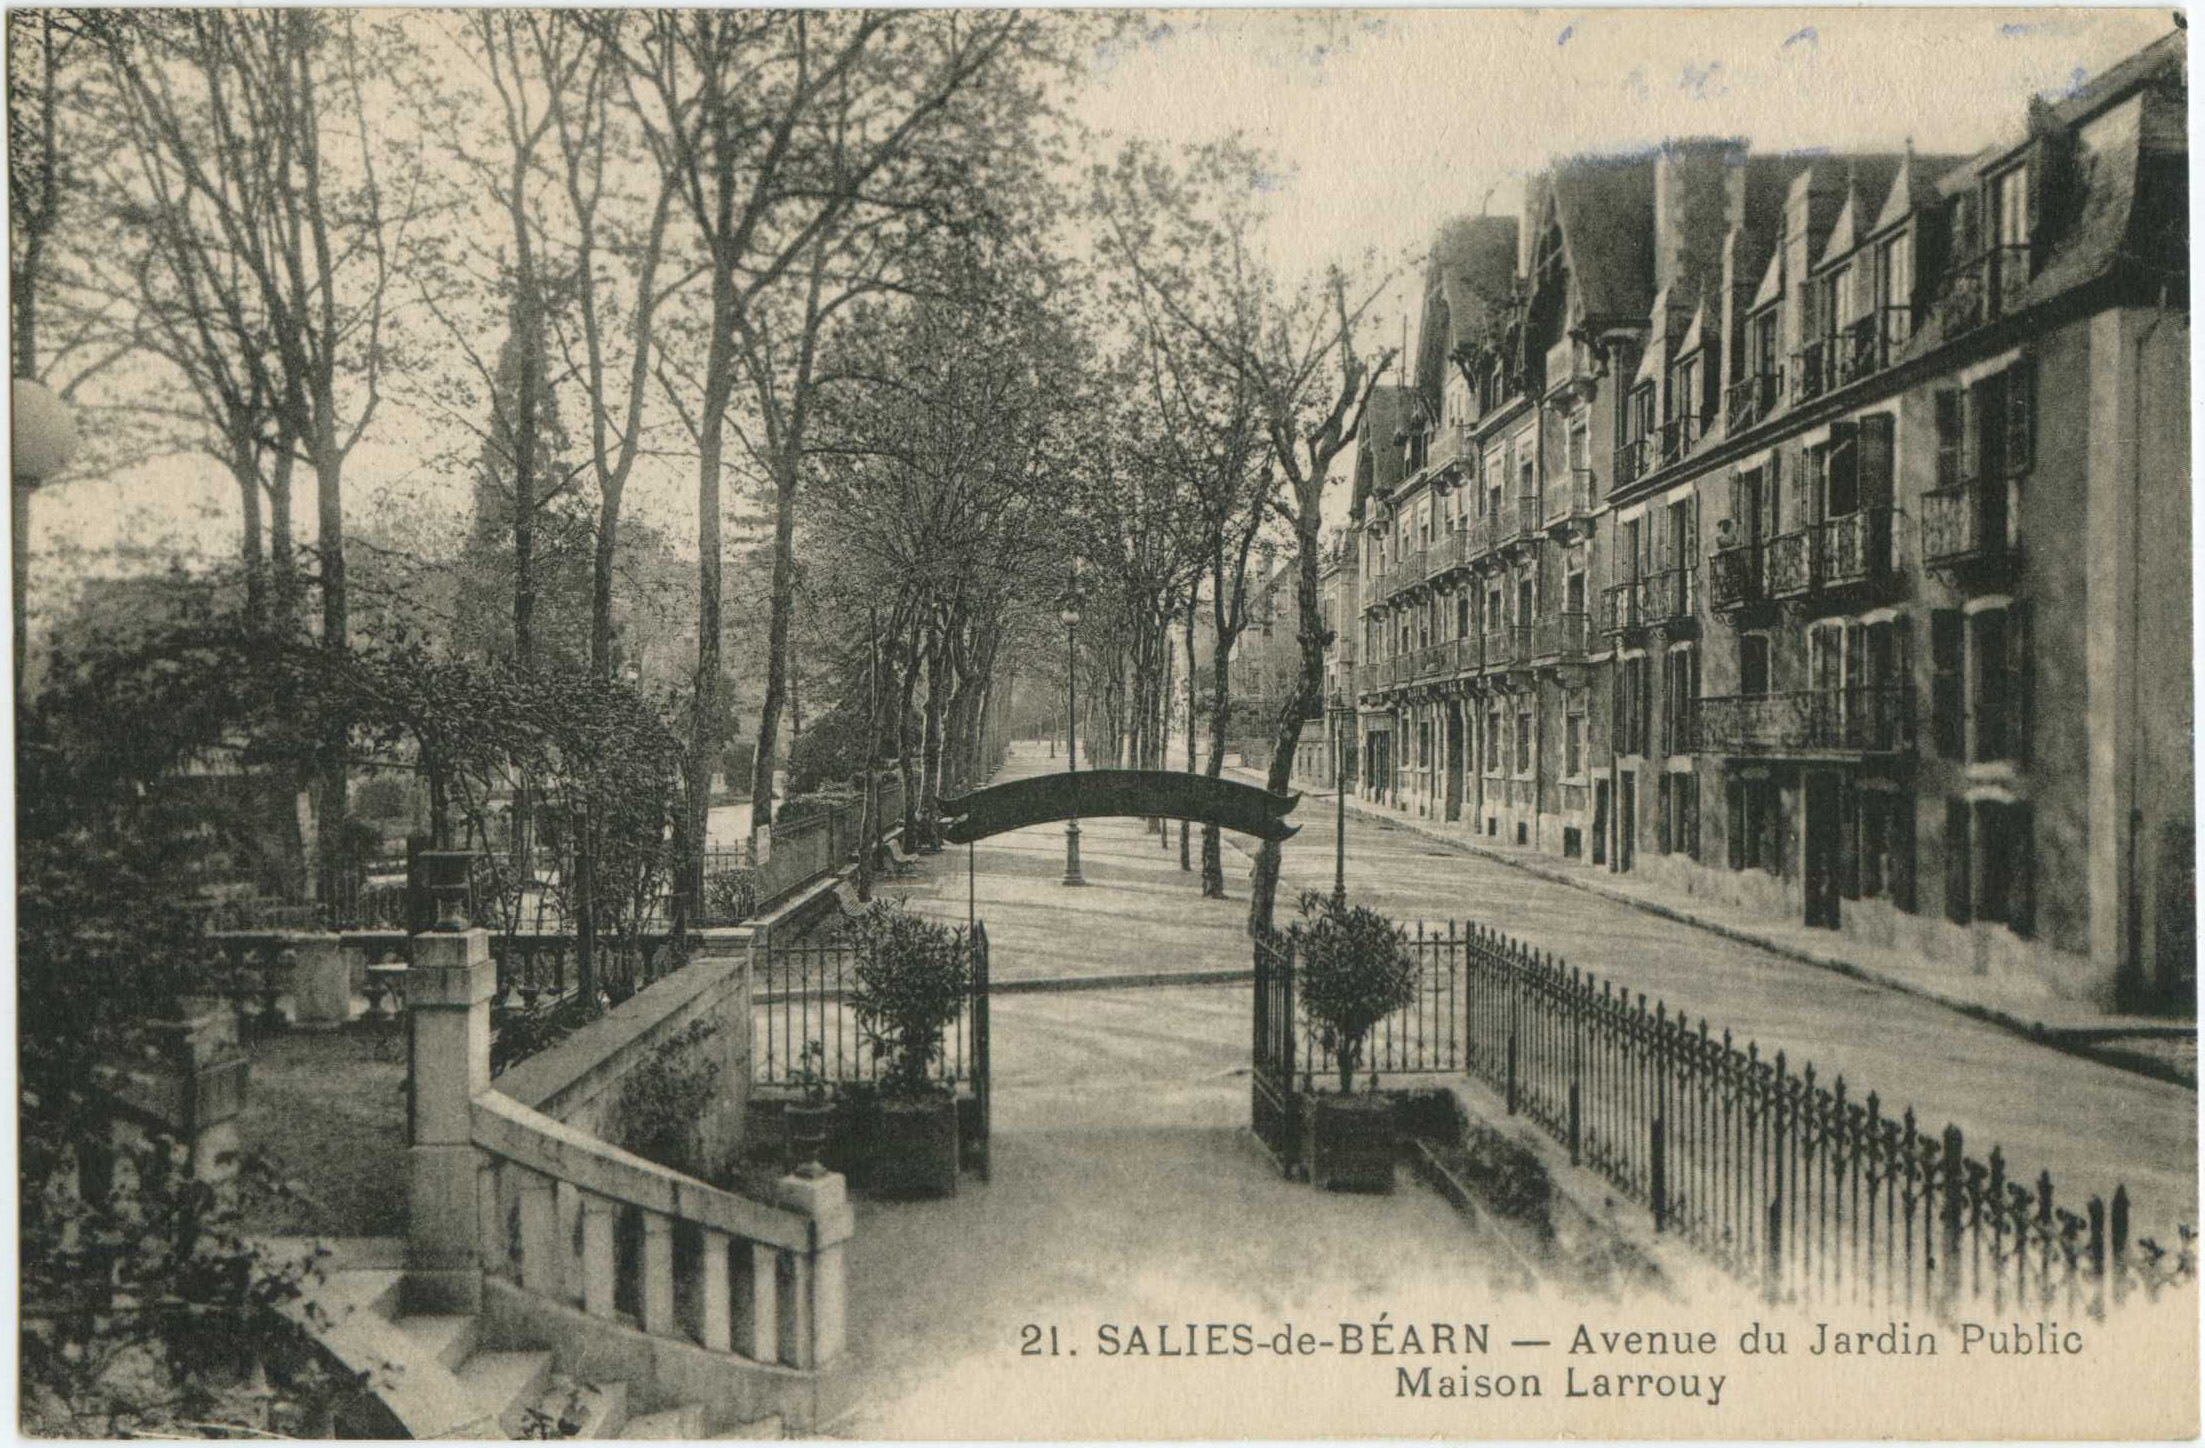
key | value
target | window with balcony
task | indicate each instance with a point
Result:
(1523, 741)
(1895, 291)
(1986, 436)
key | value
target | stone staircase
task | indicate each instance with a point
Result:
(433, 1375)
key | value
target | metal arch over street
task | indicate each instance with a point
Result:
(1134, 793)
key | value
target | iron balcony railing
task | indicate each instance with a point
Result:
(1672, 593)
(1736, 577)
(1752, 400)
(1855, 548)
(1787, 564)
(1678, 435)
(1634, 461)
(1408, 572)
(1966, 523)
(1501, 646)
(1982, 288)
(1570, 498)
(1626, 611)
(1812, 370)
(1561, 636)
(1467, 654)
(1513, 522)
(1477, 535)
(1850, 719)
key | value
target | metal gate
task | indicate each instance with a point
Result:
(983, 1081)
(1274, 1105)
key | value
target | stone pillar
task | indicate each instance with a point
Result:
(321, 983)
(194, 1089)
(821, 1281)
(448, 990)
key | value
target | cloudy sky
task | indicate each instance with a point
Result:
(1389, 121)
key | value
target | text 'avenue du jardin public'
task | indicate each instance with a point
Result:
(1447, 1359)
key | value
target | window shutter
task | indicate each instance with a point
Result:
(1735, 830)
(1989, 422)
(1692, 531)
(1848, 839)
(1959, 907)
(2022, 859)
(1874, 453)
(1772, 497)
(2020, 675)
(1947, 723)
(1952, 450)
(1691, 732)
(1841, 492)
(2021, 416)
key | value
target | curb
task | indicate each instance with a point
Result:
(2100, 1051)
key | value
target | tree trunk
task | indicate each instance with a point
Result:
(1300, 705)
(930, 801)
(329, 820)
(1194, 591)
(282, 554)
(1213, 859)
(705, 710)
(906, 746)
(777, 638)
(245, 467)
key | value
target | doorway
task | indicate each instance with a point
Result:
(1823, 836)
(1600, 822)
(1454, 762)
(1626, 834)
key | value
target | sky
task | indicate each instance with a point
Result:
(1387, 122)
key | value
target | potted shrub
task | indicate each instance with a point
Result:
(1355, 969)
(912, 977)
(809, 1120)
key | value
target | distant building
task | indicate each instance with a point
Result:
(1814, 535)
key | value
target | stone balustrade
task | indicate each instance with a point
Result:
(570, 1218)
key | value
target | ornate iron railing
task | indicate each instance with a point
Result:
(1853, 719)
(1737, 578)
(1966, 522)
(1790, 1180)
(1561, 635)
(1754, 399)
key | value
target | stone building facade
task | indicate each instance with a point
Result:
(1812, 534)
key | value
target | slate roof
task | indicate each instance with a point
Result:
(1377, 458)
(1606, 207)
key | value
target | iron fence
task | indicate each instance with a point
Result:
(1782, 1176)
(801, 994)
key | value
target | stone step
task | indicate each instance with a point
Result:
(597, 1410)
(448, 1337)
(503, 1386)
(684, 1424)
(766, 1427)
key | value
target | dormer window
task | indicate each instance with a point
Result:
(2010, 207)
(1895, 289)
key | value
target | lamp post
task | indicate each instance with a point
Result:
(1343, 714)
(1071, 619)
(44, 439)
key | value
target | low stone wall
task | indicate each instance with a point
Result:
(579, 1081)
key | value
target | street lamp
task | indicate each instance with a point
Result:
(1070, 616)
(1343, 715)
(44, 438)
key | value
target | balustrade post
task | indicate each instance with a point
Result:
(544, 1251)
(758, 1307)
(600, 1261)
(658, 1274)
(448, 990)
(817, 1329)
(321, 983)
(716, 1303)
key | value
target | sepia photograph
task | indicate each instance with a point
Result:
(1544, 657)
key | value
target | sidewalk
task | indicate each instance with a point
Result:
(2151, 1045)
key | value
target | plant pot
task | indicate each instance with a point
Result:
(1350, 1142)
(807, 1127)
(915, 1149)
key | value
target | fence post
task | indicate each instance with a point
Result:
(1576, 998)
(1661, 1175)
(1515, 1002)
(2120, 1243)
(1954, 1172)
